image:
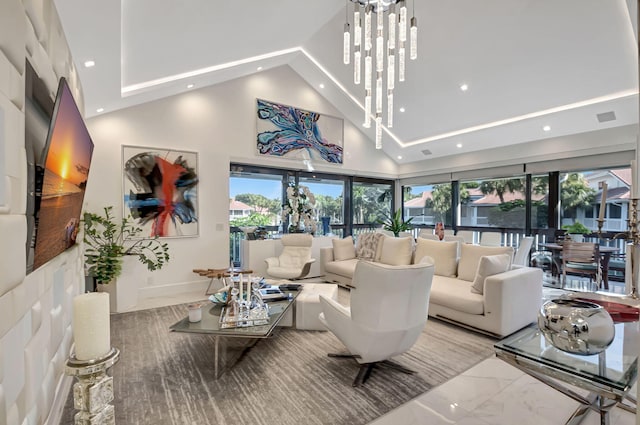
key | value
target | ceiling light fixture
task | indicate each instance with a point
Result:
(321, 85)
(402, 109)
(459, 145)
(89, 64)
(259, 68)
(546, 128)
(189, 86)
(464, 87)
(393, 46)
(100, 110)
(399, 156)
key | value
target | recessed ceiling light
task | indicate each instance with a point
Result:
(546, 128)
(459, 145)
(321, 85)
(100, 110)
(399, 156)
(464, 87)
(189, 86)
(259, 68)
(89, 64)
(402, 109)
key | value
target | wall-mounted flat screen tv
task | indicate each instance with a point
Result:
(61, 179)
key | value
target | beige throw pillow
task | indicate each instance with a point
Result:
(397, 251)
(443, 253)
(368, 246)
(470, 257)
(488, 266)
(343, 249)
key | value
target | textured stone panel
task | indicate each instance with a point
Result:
(13, 139)
(7, 316)
(13, 229)
(43, 68)
(14, 367)
(38, 13)
(36, 317)
(3, 409)
(13, 414)
(36, 359)
(58, 285)
(58, 47)
(11, 81)
(47, 391)
(57, 329)
(13, 32)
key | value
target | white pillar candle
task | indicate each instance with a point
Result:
(603, 201)
(91, 329)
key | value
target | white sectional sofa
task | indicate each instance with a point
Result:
(480, 289)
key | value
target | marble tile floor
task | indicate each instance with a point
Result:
(490, 393)
(494, 393)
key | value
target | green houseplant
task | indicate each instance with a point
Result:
(395, 223)
(108, 241)
(577, 229)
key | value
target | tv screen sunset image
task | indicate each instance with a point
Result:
(68, 157)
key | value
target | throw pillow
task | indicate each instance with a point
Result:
(443, 253)
(368, 246)
(470, 257)
(397, 251)
(343, 249)
(488, 266)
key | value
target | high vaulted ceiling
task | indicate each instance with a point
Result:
(528, 63)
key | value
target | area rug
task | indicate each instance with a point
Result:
(166, 377)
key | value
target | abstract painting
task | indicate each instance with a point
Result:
(160, 190)
(294, 133)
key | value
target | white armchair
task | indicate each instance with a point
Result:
(387, 314)
(295, 260)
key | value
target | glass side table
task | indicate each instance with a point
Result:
(607, 376)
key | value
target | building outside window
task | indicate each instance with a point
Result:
(428, 204)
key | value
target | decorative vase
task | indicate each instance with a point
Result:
(577, 327)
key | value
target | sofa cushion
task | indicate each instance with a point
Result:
(397, 251)
(443, 254)
(455, 294)
(470, 257)
(488, 266)
(343, 249)
(342, 268)
(368, 246)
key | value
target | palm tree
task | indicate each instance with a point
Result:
(501, 186)
(575, 193)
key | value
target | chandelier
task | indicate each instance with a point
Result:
(378, 54)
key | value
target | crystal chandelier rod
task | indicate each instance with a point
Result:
(372, 40)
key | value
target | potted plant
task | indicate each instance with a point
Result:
(108, 241)
(577, 230)
(395, 223)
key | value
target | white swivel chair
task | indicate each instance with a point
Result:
(521, 257)
(387, 314)
(491, 238)
(428, 234)
(295, 260)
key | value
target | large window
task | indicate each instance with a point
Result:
(581, 198)
(255, 199)
(493, 203)
(329, 195)
(428, 204)
(540, 201)
(371, 202)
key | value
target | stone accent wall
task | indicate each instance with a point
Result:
(35, 310)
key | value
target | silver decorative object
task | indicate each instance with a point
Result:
(93, 392)
(577, 327)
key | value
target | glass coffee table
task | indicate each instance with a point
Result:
(607, 376)
(210, 324)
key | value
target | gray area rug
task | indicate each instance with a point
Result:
(166, 377)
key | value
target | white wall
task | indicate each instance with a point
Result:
(218, 122)
(35, 310)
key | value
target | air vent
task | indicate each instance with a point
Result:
(426, 152)
(606, 116)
